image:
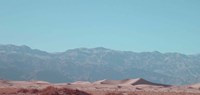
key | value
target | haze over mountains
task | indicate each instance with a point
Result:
(24, 63)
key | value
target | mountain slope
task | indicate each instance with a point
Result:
(24, 63)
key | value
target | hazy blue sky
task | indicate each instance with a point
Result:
(136, 25)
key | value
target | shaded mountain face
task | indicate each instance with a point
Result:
(24, 63)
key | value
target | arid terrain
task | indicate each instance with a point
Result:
(103, 87)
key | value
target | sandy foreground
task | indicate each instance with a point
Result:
(102, 87)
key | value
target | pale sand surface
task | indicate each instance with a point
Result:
(103, 87)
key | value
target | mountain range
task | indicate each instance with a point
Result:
(91, 64)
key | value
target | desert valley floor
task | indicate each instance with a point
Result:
(102, 87)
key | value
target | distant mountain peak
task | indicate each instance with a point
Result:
(100, 48)
(10, 48)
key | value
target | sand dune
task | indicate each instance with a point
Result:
(40, 82)
(80, 82)
(98, 82)
(137, 86)
(138, 81)
(197, 86)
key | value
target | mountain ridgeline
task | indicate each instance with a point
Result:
(24, 63)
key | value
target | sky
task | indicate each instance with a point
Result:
(127, 25)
